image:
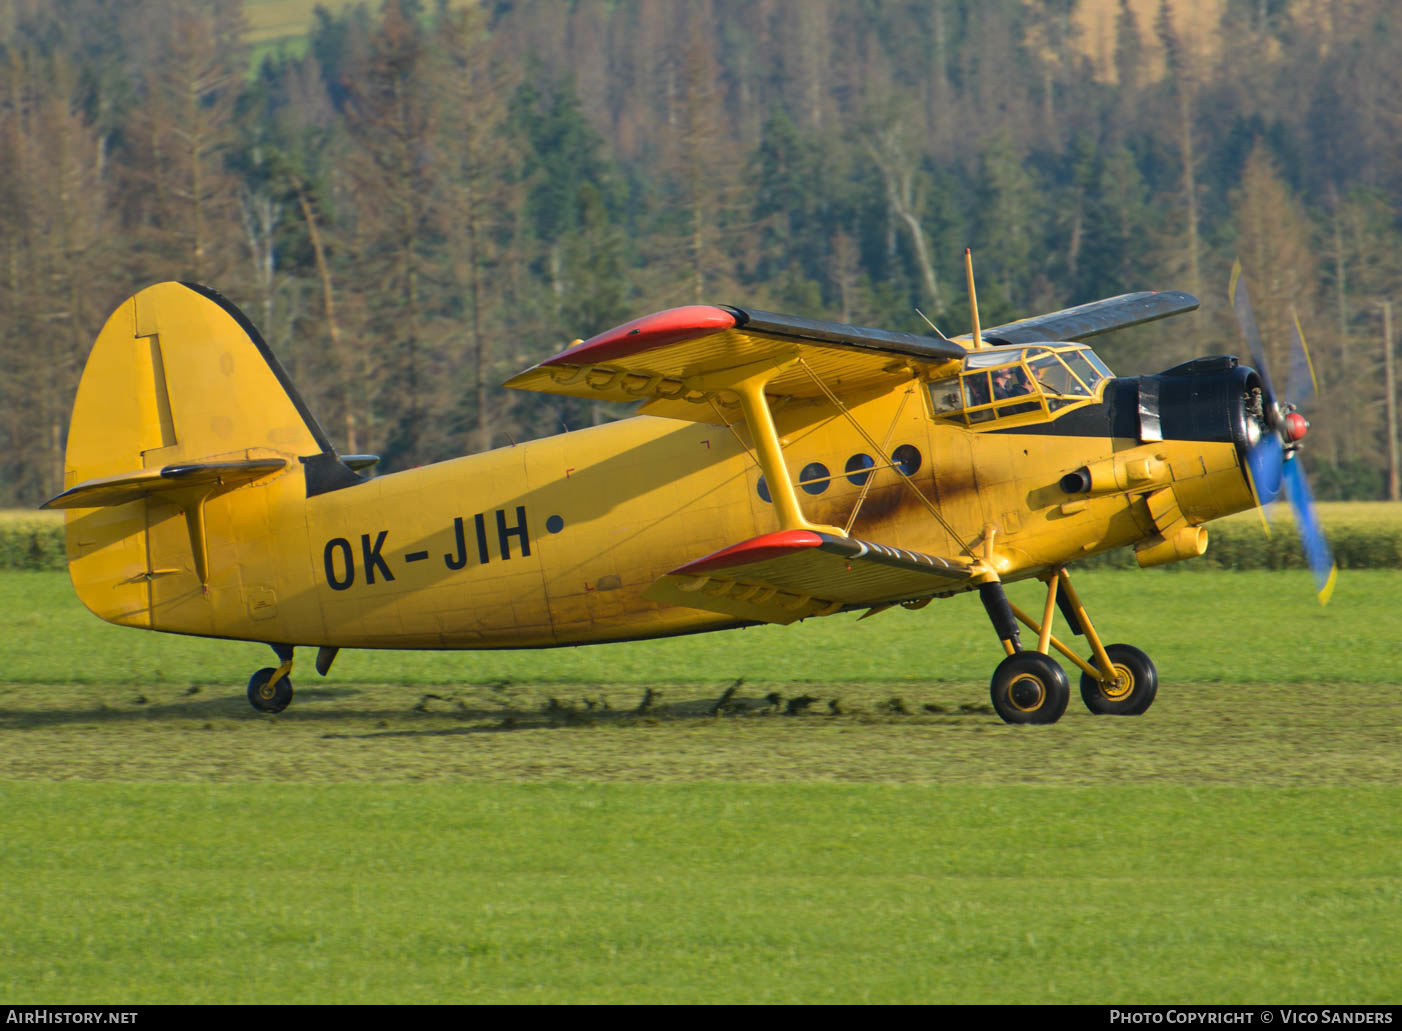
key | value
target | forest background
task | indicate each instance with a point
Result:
(415, 200)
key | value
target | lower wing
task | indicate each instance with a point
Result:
(793, 574)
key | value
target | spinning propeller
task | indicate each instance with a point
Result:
(1275, 429)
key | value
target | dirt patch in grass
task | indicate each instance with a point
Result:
(1280, 734)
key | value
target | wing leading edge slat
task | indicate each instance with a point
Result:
(660, 359)
(793, 574)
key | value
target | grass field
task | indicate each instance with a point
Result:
(273, 20)
(698, 893)
(479, 827)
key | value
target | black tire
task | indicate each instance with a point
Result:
(1132, 694)
(266, 698)
(1029, 687)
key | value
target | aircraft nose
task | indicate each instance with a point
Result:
(1295, 427)
(1208, 399)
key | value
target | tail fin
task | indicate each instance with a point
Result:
(181, 401)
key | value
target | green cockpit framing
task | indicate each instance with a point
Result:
(1028, 382)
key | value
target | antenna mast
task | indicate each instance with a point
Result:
(973, 298)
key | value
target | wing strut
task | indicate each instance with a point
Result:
(748, 383)
(757, 415)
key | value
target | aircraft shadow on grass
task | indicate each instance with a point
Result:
(473, 716)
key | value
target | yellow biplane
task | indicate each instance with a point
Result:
(780, 468)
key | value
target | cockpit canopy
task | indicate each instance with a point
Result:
(999, 382)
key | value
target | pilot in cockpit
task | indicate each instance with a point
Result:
(1010, 382)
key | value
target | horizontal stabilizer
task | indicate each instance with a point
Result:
(124, 487)
(790, 575)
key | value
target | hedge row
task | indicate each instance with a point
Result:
(31, 542)
(34, 542)
(1243, 544)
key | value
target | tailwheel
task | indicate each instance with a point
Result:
(1029, 687)
(1133, 689)
(269, 692)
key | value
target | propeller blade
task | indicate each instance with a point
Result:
(1317, 553)
(1246, 319)
(1264, 467)
(1301, 385)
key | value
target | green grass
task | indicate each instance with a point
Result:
(699, 893)
(477, 827)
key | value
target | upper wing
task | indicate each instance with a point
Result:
(659, 358)
(789, 575)
(1088, 320)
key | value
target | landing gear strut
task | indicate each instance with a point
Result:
(270, 690)
(1029, 687)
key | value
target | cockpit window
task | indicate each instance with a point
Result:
(1087, 366)
(1055, 377)
(977, 390)
(999, 382)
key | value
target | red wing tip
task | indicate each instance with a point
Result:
(757, 549)
(651, 331)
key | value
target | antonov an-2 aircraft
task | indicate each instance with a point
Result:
(780, 468)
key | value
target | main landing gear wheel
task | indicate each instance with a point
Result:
(266, 696)
(1133, 689)
(1029, 687)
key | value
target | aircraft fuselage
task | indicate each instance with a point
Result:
(554, 541)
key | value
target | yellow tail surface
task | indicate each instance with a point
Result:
(186, 436)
